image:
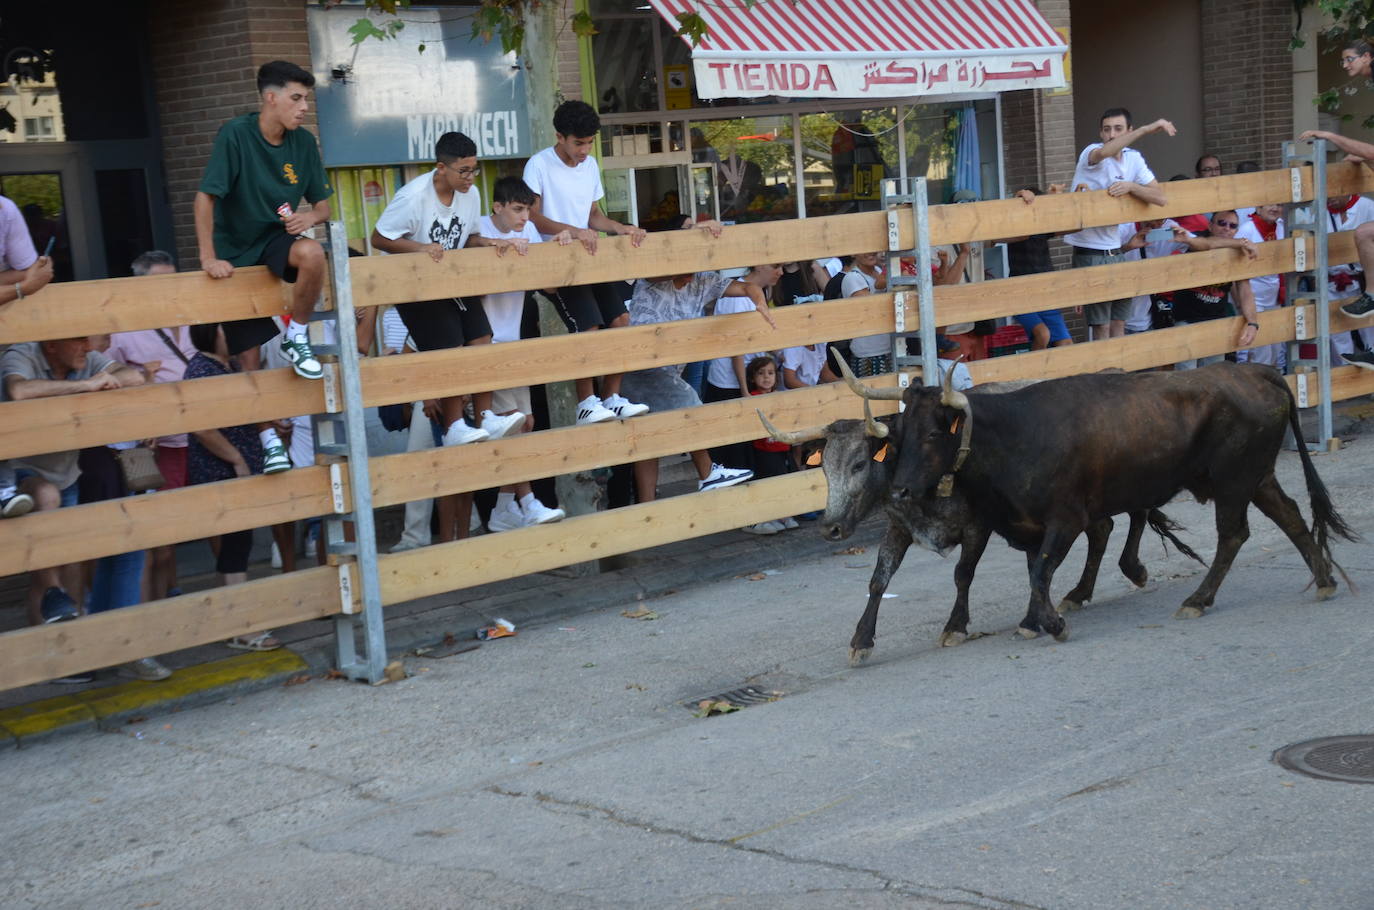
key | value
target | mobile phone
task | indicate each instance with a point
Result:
(47, 250)
(1159, 235)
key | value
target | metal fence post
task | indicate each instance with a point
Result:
(1309, 217)
(914, 195)
(347, 437)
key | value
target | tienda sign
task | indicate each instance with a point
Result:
(874, 77)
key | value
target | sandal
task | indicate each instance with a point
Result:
(263, 641)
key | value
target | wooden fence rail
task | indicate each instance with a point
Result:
(32, 655)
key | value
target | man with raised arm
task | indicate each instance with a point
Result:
(1114, 166)
(260, 167)
(1357, 58)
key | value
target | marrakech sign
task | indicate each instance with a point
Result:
(386, 102)
(873, 77)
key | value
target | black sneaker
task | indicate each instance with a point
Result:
(1361, 307)
(57, 606)
(1362, 359)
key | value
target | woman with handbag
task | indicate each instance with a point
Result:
(224, 454)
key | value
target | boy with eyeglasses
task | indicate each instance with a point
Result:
(435, 213)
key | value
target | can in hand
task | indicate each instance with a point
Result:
(285, 210)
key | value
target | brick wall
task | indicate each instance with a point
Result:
(1247, 79)
(569, 69)
(204, 59)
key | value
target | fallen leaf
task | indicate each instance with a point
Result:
(850, 551)
(757, 576)
(636, 686)
(394, 671)
(300, 680)
(449, 639)
(641, 613)
(708, 707)
(335, 674)
(588, 666)
(136, 719)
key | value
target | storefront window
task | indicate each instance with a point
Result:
(626, 71)
(933, 150)
(755, 173)
(845, 156)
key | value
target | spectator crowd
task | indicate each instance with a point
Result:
(248, 212)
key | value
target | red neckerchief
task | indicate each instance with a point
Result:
(1268, 230)
(1340, 208)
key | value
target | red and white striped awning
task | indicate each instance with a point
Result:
(869, 48)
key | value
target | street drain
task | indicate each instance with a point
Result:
(745, 697)
(1345, 758)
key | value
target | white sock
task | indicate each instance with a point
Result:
(269, 439)
(527, 500)
(505, 500)
(298, 331)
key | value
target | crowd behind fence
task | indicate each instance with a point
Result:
(99, 529)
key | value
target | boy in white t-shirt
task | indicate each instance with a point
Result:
(1110, 165)
(567, 181)
(434, 213)
(509, 221)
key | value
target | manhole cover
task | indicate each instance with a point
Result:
(744, 697)
(1347, 758)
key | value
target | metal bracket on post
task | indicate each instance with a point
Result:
(347, 436)
(899, 312)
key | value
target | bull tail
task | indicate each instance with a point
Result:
(1165, 527)
(1325, 518)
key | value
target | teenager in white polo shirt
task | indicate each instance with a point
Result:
(1112, 166)
(568, 183)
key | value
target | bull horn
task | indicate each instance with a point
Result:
(948, 396)
(794, 437)
(871, 426)
(858, 388)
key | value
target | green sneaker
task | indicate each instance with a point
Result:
(275, 460)
(302, 359)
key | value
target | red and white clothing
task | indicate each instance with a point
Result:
(1344, 280)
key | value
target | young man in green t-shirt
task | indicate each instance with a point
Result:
(260, 167)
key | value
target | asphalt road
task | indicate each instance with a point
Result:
(1126, 768)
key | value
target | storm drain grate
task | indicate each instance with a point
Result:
(1346, 758)
(745, 697)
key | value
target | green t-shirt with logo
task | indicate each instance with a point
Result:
(251, 178)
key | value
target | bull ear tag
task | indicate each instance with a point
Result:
(814, 458)
(881, 454)
(954, 427)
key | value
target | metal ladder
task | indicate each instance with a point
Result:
(1307, 282)
(341, 442)
(911, 191)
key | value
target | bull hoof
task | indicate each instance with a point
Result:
(1138, 578)
(1062, 634)
(1027, 633)
(1068, 606)
(1188, 613)
(859, 656)
(1326, 591)
(952, 639)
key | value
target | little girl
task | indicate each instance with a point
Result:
(770, 457)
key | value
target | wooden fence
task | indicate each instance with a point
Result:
(88, 531)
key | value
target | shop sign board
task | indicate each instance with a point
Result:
(387, 101)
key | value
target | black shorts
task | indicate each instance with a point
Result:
(437, 325)
(586, 306)
(275, 256)
(251, 333)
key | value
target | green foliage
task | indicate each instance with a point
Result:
(1350, 20)
(582, 24)
(364, 29)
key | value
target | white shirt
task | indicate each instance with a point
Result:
(1129, 166)
(1344, 279)
(1140, 320)
(721, 371)
(566, 193)
(415, 213)
(394, 332)
(1266, 287)
(856, 282)
(505, 310)
(806, 360)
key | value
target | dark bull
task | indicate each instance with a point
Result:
(1050, 459)
(859, 461)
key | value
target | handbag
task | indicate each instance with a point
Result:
(395, 417)
(139, 467)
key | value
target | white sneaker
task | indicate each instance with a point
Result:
(276, 556)
(460, 434)
(474, 521)
(536, 513)
(498, 425)
(591, 410)
(763, 527)
(721, 476)
(788, 523)
(624, 407)
(506, 519)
